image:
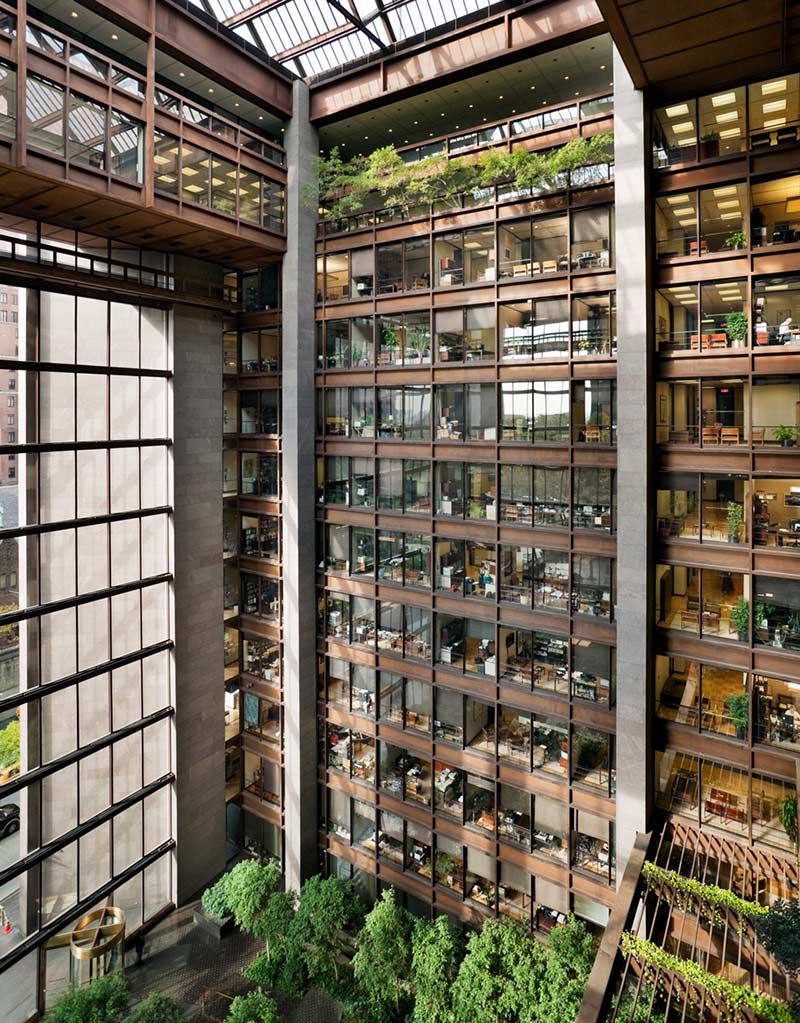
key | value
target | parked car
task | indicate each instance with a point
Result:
(9, 819)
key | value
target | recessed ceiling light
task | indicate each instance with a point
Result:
(602, 67)
(677, 111)
(210, 90)
(774, 106)
(441, 115)
(730, 133)
(532, 88)
(73, 14)
(683, 126)
(776, 122)
(566, 78)
(261, 118)
(686, 211)
(769, 88)
(391, 130)
(430, 135)
(416, 122)
(366, 136)
(730, 216)
(728, 204)
(471, 105)
(727, 190)
(724, 99)
(114, 35)
(181, 74)
(728, 115)
(576, 94)
(499, 97)
(484, 118)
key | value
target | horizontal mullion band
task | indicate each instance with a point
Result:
(84, 598)
(27, 696)
(43, 852)
(36, 366)
(89, 520)
(32, 942)
(82, 445)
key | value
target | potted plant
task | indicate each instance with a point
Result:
(213, 916)
(736, 326)
(737, 240)
(789, 818)
(738, 705)
(735, 519)
(709, 145)
(740, 618)
(419, 343)
(390, 341)
(785, 435)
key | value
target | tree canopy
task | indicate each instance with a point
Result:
(779, 933)
(382, 963)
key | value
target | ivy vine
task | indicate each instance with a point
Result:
(700, 897)
(728, 998)
(346, 187)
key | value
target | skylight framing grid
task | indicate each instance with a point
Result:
(316, 36)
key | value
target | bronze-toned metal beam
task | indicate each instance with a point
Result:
(251, 12)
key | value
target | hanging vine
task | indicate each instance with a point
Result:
(692, 896)
(346, 187)
(727, 998)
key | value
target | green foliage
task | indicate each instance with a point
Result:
(631, 1008)
(789, 818)
(727, 998)
(346, 187)
(10, 744)
(382, 963)
(157, 1008)
(737, 240)
(735, 517)
(272, 927)
(740, 616)
(784, 434)
(736, 322)
(243, 893)
(215, 899)
(570, 955)
(738, 705)
(500, 976)
(436, 954)
(103, 1001)
(256, 1007)
(779, 932)
(701, 898)
(315, 941)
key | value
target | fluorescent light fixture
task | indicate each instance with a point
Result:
(687, 211)
(160, 159)
(688, 223)
(189, 171)
(770, 88)
(730, 133)
(725, 190)
(726, 116)
(793, 204)
(683, 127)
(724, 99)
(730, 216)
(794, 490)
(676, 200)
(678, 111)
(728, 204)
(775, 122)
(777, 287)
(774, 106)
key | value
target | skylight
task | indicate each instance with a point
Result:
(311, 37)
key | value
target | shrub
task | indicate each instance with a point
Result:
(247, 891)
(215, 899)
(157, 1008)
(779, 933)
(103, 1001)
(256, 1007)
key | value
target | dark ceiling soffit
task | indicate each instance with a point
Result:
(623, 41)
(489, 63)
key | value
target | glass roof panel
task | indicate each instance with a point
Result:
(311, 37)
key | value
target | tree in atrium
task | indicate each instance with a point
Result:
(382, 963)
(436, 954)
(255, 1007)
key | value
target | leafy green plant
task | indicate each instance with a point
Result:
(157, 1008)
(710, 136)
(347, 187)
(436, 953)
(10, 744)
(242, 893)
(419, 341)
(738, 705)
(255, 1007)
(272, 927)
(637, 1006)
(703, 897)
(736, 325)
(789, 818)
(726, 997)
(737, 240)
(779, 932)
(785, 435)
(105, 1000)
(382, 963)
(735, 519)
(215, 899)
(740, 616)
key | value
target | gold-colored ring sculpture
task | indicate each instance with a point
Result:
(101, 933)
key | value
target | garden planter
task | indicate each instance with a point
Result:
(211, 927)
